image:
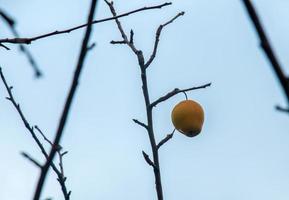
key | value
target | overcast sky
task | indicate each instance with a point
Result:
(243, 150)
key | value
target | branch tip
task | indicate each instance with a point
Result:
(140, 123)
(166, 139)
(148, 160)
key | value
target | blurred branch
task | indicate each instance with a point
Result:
(29, 40)
(267, 48)
(11, 23)
(279, 108)
(71, 94)
(5, 47)
(175, 92)
(61, 178)
(28, 157)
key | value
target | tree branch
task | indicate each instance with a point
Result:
(69, 100)
(34, 136)
(149, 126)
(148, 160)
(166, 139)
(140, 123)
(29, 40)
(5, 47)
(120, 28)
(175, 92)
(28, 157)
(23, 49)
(23, 118)
(266, 46)
(279, 108)
(157, 38)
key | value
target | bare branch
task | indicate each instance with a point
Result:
(42, 134)
(279, 108)
(166, 139)
(61, 162)
(149, 125)
(5, 47)
(68, 102)
(140, 123)
(60, 155)
(157, 39)
(175, 92)
(23, 118)
(7, 18)
(266, 46)
(117, 42)
(28, 157)
(31, 130)
(148, 160)
(29, 40)
(90, 47)
(120, 28)
(131, 36)
(23, 49)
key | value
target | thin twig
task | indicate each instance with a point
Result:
(131, 36)
(90, 47)
(157, 38)
(166, 139)
(279, 108)
(23, 49)
(266, 46)
(5, 47)
(149, 126)
(120, 28)
(140, 123)
(29, 40)
(23, 118)
(60, 155)
(28, 157)
(42, 134)
(117, 42)
(69, 100)
(7, 18)
(148, 160)
(61, 179)
(175, 92)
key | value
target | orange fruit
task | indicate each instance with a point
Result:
(188, 117)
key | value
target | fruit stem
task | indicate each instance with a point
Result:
(185, 95)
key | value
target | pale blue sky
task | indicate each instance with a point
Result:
(242, 152)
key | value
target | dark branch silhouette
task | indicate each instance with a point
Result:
(154, 162)
(29, 40)
(149, 126)
(61, 179)
(62, 122)
(166, 139)
(28, 157)
(266, 46)
(148, 160)
(177, 91)
(157, 38)
(11, 23)
(140, 123)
